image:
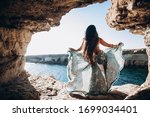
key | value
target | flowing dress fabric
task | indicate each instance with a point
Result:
(94, 78)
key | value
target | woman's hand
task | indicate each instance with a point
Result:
(72, 49)
(115, 46)
(119, 44)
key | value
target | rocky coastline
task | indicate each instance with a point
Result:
(133, 57)
(61, 59)
(28, 87)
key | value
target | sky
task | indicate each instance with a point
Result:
(72, 28)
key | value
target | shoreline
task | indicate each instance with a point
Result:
(29, 87)
(133, 57)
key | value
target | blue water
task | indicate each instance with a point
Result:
(134, 75)
(128, 75)
(59, 72)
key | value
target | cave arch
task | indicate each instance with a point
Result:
(20, 19)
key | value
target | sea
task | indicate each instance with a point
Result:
(133, 75)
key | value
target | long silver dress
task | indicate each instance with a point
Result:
(98, 77)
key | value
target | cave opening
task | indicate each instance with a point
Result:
(20, 19)
(49, 47)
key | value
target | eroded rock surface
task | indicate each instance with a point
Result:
(37, 15)
(129, 14)
(13, 44)
(147, 43)
(29, 87)
(19, 89)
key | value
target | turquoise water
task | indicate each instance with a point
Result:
(57, 71)
(127, 75)
(134, 75)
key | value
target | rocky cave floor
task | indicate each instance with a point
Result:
(28, 87)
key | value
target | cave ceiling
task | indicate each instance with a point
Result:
(40, 15)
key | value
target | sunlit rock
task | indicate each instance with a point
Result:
(129, 14)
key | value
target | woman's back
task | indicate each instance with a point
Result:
(86, 69)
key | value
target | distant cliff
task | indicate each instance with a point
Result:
(61, 59)
(133, 57)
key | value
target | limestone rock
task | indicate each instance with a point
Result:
(13, 44)
(19, 89)
(147, 43)
(126, 89)
(115, 93)
(27, 87)
(37, 15)
(140, 94)
(129, 14)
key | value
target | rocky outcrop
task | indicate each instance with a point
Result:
(129, 14)
(147, 43)
(142, 93)
(37, 15)
(135, 16)
(27, 87)
(19, 89)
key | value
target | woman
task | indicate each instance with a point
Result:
(87, 65)
(90, 45)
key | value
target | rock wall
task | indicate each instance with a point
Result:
(129, 14)
(147, 43)
(13, 44)
(135, 16)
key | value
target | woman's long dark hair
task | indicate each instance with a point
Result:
(91, 37)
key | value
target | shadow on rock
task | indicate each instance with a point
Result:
(115, 95)
(140, 94)
(19, 89)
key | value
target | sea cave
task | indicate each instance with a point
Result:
(19, 20)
